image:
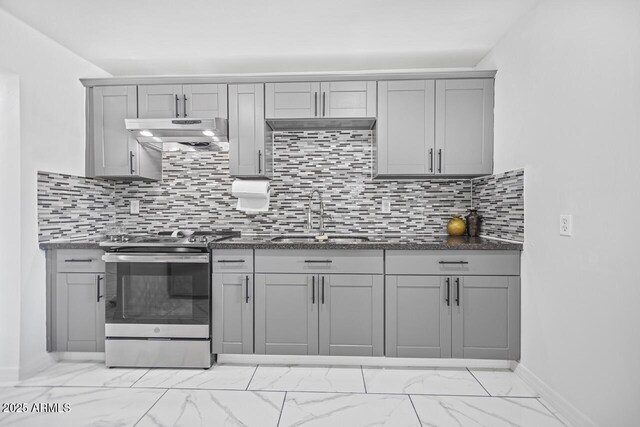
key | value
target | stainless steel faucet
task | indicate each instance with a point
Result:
(310, 212)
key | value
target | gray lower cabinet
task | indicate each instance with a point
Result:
(75, 301)
(486, 317)
(351, 315)
(418, 317)
(232, 313)
(333, 314)
(286, 314)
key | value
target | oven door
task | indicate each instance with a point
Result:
(163, 295)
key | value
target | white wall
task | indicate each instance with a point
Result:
(9, 215)
(568, 110)
(51, 114)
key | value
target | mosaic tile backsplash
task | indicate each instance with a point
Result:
(195, 193)
(71, 206)
(500, 200)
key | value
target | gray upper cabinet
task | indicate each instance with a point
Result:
(176, 100)
(486, 317)
(435, 127)
(351, 315)
(349, 99)
(464, 126)
(247, 155)
(232, 313)
(286, 314)
(418, 316)
(406, 123)
(115, 151)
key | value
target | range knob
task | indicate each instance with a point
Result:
(204, 239)
(192, 239)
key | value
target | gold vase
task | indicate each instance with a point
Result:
(456, 226)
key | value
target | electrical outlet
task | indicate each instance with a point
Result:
(386, 205)
(565, 225)
(134, 206)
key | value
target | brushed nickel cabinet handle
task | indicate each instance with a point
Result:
(98, 280)
(79, 260)
(312, 261)
(177, 108)
(458, 291)
(453, 262)
(313, 290)
(448, 292)
(430, 159)
(259, 161)
(184, 105)
(323, 104)
(315, 104)
(246, 294)
(322, 290)
(131, 155)
(230, 260)
(440, 160)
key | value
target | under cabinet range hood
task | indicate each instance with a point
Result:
(324, 123)
(181, 134)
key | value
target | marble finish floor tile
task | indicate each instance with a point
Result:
(223, 377)
(353, 410)
(84, 375)
(308, 378)
(503, 382)
(86, 406)
(445, 411)
(422, 381)
(192, 408)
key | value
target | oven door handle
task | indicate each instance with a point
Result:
(157, 258)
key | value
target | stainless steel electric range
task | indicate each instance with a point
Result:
(157, 290)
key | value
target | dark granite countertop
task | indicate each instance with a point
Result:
(84, 243)
(404, 242)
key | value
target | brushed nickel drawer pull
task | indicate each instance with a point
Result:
(230, 260)
(453, 262)
(79, 260)
(318, 261)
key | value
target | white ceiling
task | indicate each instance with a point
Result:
(136, 37)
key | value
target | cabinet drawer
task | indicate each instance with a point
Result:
(456, 262)
(232, 261)
(319, 261)
(80, 261)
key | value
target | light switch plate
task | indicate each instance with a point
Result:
(386, 205)
(565, 225)
(134, 206)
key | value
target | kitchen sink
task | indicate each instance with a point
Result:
(312, 239)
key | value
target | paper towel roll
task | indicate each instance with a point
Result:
(253, 195)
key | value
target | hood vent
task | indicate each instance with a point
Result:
(364, 123)
(181, 134)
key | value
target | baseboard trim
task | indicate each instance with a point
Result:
(559, 403)
(79, 356)
(9, 376)
(273, 359)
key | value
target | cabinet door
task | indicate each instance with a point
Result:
(112, 143)
(204, 100)
(348, 99)
(232, 313)
(351, 315)
(79, 324)
(405, 136)
(464, 126)
(286, 314)
(160, 101)
(486, 317)
(292, 100)
(246, 129)
(418, 316)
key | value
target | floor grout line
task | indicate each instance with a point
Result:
(481, 385)
(150, 408)
(363, 380)
(282, 408)
(141, 376)
(252, 375)
(414, 409)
